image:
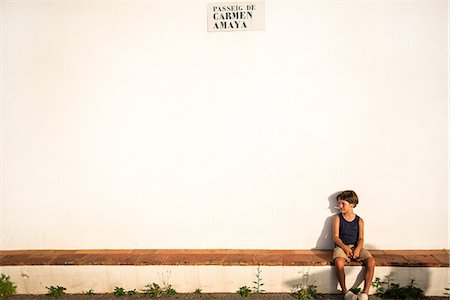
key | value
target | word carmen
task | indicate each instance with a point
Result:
(232, 16)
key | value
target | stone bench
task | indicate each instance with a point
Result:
(212, 270)
(396, 258)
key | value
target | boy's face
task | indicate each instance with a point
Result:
(345, 207)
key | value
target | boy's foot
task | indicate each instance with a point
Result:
(350, 296)
(363, 296)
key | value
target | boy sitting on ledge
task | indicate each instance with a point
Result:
(348, 233)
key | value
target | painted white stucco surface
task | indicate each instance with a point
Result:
(211, 279)
(128, 125)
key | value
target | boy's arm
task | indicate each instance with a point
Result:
(360, 239)
(337, 239)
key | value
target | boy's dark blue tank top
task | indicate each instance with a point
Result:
(348, 231)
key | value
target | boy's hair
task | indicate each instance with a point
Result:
(349, 196)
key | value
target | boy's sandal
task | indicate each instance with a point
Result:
(350, 296)
(363, 296)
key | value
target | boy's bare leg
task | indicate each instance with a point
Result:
(339, 264)
(370, 269)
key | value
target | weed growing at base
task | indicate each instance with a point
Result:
(258, 283)
(155, 291)
(7, 287)
(170, 291)
(305, 290)
(244, 291)
(389, 289)
(120, 291)
(89, 293)
(56, 292)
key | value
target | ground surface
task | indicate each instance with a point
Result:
(224, 296)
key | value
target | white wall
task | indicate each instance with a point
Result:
(128, 125)
(211, 279)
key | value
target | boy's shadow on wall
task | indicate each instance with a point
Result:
(325, 240)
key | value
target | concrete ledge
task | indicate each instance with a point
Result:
(174, 257)
(211, 279)
(212, 270)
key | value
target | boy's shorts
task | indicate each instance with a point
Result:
(339, 252)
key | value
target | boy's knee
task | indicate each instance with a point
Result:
(339, 263)
(370, 262)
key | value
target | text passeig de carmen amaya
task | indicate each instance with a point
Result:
(232, 16)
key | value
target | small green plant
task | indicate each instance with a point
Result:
(379, 286)
(166, 286)
(244, 291)
(309, 292)
(305, 290)
(258, 283)
(153, 290)
(390, 289)
(132, 292)
(169, 290)
(198, 291)
(7, 287)
(447, 293)
(89, 293)
(56, 292)
(119, 292)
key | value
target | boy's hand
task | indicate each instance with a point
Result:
(356, 253)
(348, 251)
